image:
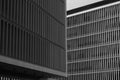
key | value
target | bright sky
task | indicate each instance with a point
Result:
(71, 4)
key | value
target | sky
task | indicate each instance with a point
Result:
(71, 4)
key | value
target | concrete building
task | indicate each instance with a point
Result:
(32, 39)
(93, 43)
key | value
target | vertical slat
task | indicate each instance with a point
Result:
(35, 20)
(40, 50)
(39, 21)
(26, 11)
(3, 38)
(30, 16)
(6, 41)
(20, 12)
(35, 52)
(13, 51)
(20, 45)
(0, 7)
(23, 45)
(9, 39)
(9, 9)
(28, 47)
(1, 35)
(3, 7)
(16, 42)
(32, 46)
(6, 8)
(15, 9)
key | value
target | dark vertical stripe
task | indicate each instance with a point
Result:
(12, 40)
(15, 42)
(23, 46)
(9, 40)
(1, 36)
(9, 9)
(3, 5)
(6, 40)
(0, 7)
(20, 44)
(15, 8)
(6, 7)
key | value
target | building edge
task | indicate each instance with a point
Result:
(90, 6)
(15, 62)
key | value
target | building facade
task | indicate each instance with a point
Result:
(93, 43)
(32, 37)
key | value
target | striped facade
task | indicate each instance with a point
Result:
(93, 43)
(32, 35)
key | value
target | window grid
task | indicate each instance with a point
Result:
(101, 26)
(112, 75)
(93, 66)
(98, 39)
(24, 23)
(93, 44)
(94, 53)
(94, 15)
